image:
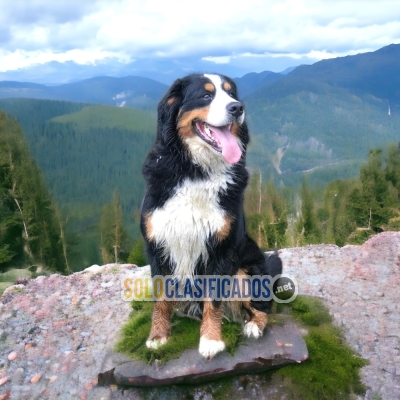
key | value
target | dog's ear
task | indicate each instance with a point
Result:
(168, 109)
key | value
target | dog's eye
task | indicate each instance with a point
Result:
(232, 94)
(207, 96)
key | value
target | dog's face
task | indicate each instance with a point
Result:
(203, 112)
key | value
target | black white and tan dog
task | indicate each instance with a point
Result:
(192, 213)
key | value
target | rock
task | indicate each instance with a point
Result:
(12, 356)
(3, 380)
(36, 378)
(279, 346)
(340, 276)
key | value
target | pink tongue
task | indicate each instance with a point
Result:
(230, 148)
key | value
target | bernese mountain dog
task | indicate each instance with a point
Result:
(192, 213)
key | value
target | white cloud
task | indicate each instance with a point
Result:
(218, 60)
(38, 31)
(21, 58)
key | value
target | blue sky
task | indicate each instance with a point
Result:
(242, 36)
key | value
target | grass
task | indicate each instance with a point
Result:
(4, 286)
(9, 277)
(185, 335)
(331, 371)
(13, 274)
(113, 117)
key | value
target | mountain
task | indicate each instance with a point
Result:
(251, 82)
(161, 69)
(325, 117)
(375, 73)
(320, 120)
(86, 152)
(132, 91)
(287, 70)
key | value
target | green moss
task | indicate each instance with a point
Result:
(185, 335)
(310, 311)
(4, 286)
(14, 274)
(359, 236)
(332, 369)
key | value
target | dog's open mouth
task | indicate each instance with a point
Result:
(221, 139)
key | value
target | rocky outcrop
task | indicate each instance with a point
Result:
(280, 345)
(57, 332)
(360, 285)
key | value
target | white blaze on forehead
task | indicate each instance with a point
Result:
(218, 114)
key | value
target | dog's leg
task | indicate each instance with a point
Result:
(254, 328)
(210, 331)
(257, 263)
(161, 324)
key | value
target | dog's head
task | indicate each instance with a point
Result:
(203, 113)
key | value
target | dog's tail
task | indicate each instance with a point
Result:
(273, 263)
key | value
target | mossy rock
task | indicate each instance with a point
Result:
(13, 274)
(185, 335)
(360, 236)
(4, 286)
(332, 369)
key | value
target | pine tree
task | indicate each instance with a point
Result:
(138, 255)
(266, 213)
(338, 225)
(113, 234)
(278, 223)
(28, 230)
(392, 170)
(369, 204)
(307, 225)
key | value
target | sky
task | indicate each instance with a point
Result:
(116, 37)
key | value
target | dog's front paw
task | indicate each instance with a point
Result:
(209, 348)
(156, 343)
(251, 330)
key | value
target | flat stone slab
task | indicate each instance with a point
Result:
(279, 346)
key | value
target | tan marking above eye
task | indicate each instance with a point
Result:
(170, 100)
(227, 86)
(209, 87)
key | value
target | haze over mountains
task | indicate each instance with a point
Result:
(132, 91)
(161, 70)
(328, 113)
(331, 112)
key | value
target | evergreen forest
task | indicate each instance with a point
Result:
(31, 231)
(71, 188)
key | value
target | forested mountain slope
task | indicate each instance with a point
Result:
(86, 153)
(30, 227)
(327, 114)
(375, 73)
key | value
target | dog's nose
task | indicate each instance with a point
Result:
(235, 108)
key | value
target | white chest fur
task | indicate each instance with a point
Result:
(185, 222)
